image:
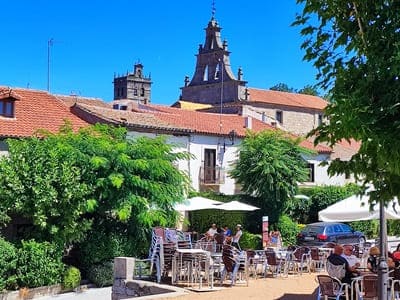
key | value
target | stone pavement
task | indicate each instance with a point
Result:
(104, 294)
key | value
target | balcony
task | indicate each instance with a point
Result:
(212, 175)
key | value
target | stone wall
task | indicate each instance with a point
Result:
(125, 287)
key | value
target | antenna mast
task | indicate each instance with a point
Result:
(213, 9)
(49, 45)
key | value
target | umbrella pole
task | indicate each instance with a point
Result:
(383, 272)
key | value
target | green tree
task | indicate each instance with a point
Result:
(282, 87)
(355, 45)
(309, 90)
(269, 166)
(67, 182)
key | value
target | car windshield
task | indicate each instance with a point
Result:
(313, 229)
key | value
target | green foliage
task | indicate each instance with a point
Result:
(369, 228)
(282, 87)
(103, 246)
(8, 264)
(393, 227)
(72, 278)
(269, 166)
(41, 180)
(288, 229)
(201, 220)
(348, 43)
(306, 210)
(39, 264)
(66, 183)
(250, 241)
(101, 274)
(309, 90)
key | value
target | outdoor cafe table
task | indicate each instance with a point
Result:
(195, 261)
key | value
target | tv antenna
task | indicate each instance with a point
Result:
(50, 43)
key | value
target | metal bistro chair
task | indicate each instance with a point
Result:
(317, 260)
(368, 287)
(273, 263)
(235, 262)
(331, 288)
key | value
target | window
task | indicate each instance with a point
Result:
(205, 75)
(115, 106)
(279, 116)
(135, 92)
(311, 176)
(320, 119)
(123, 107)
(142, 92)
(7, 108)
(337, 228)
(346, 228)
(217, 72)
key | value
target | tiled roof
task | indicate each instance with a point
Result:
(285, 98)
(72, 99)
(35, 110)
(209, 123)
(345, 149)
(128, 118)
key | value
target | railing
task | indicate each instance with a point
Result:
(212, 175)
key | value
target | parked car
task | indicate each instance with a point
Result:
(322, 233)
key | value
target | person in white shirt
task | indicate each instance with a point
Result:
(350, 257)
(236, 237)
(212, 231)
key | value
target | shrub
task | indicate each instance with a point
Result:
(39, 264)
(370, 228)
(72, 278)
(288, 230)
(250, 241)
(8, 263)
(101, 247)
(101, 274)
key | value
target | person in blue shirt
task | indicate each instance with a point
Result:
(227, 231)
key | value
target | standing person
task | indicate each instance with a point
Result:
(237, 236)
(227, 231)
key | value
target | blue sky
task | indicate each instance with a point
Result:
(95, 39)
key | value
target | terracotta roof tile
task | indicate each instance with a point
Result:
(71, 100)
(285, 98)
(36, 110)
(129, 118)
(209, 123)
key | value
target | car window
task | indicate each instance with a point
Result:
(337, 228)
(346, 228)
(329, 229)
(313, 229)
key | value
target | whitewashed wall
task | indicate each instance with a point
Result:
(196, 144)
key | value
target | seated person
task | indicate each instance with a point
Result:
(212, 231)
(373, 259)
(337, 259)
(350, 257)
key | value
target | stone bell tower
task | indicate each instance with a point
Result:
(133, 86)
(213, 80)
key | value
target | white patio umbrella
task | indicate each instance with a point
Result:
(197, 203)
(356, 208)
(236, 205)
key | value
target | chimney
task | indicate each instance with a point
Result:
(248, 122)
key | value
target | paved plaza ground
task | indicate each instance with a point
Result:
(299, 287)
